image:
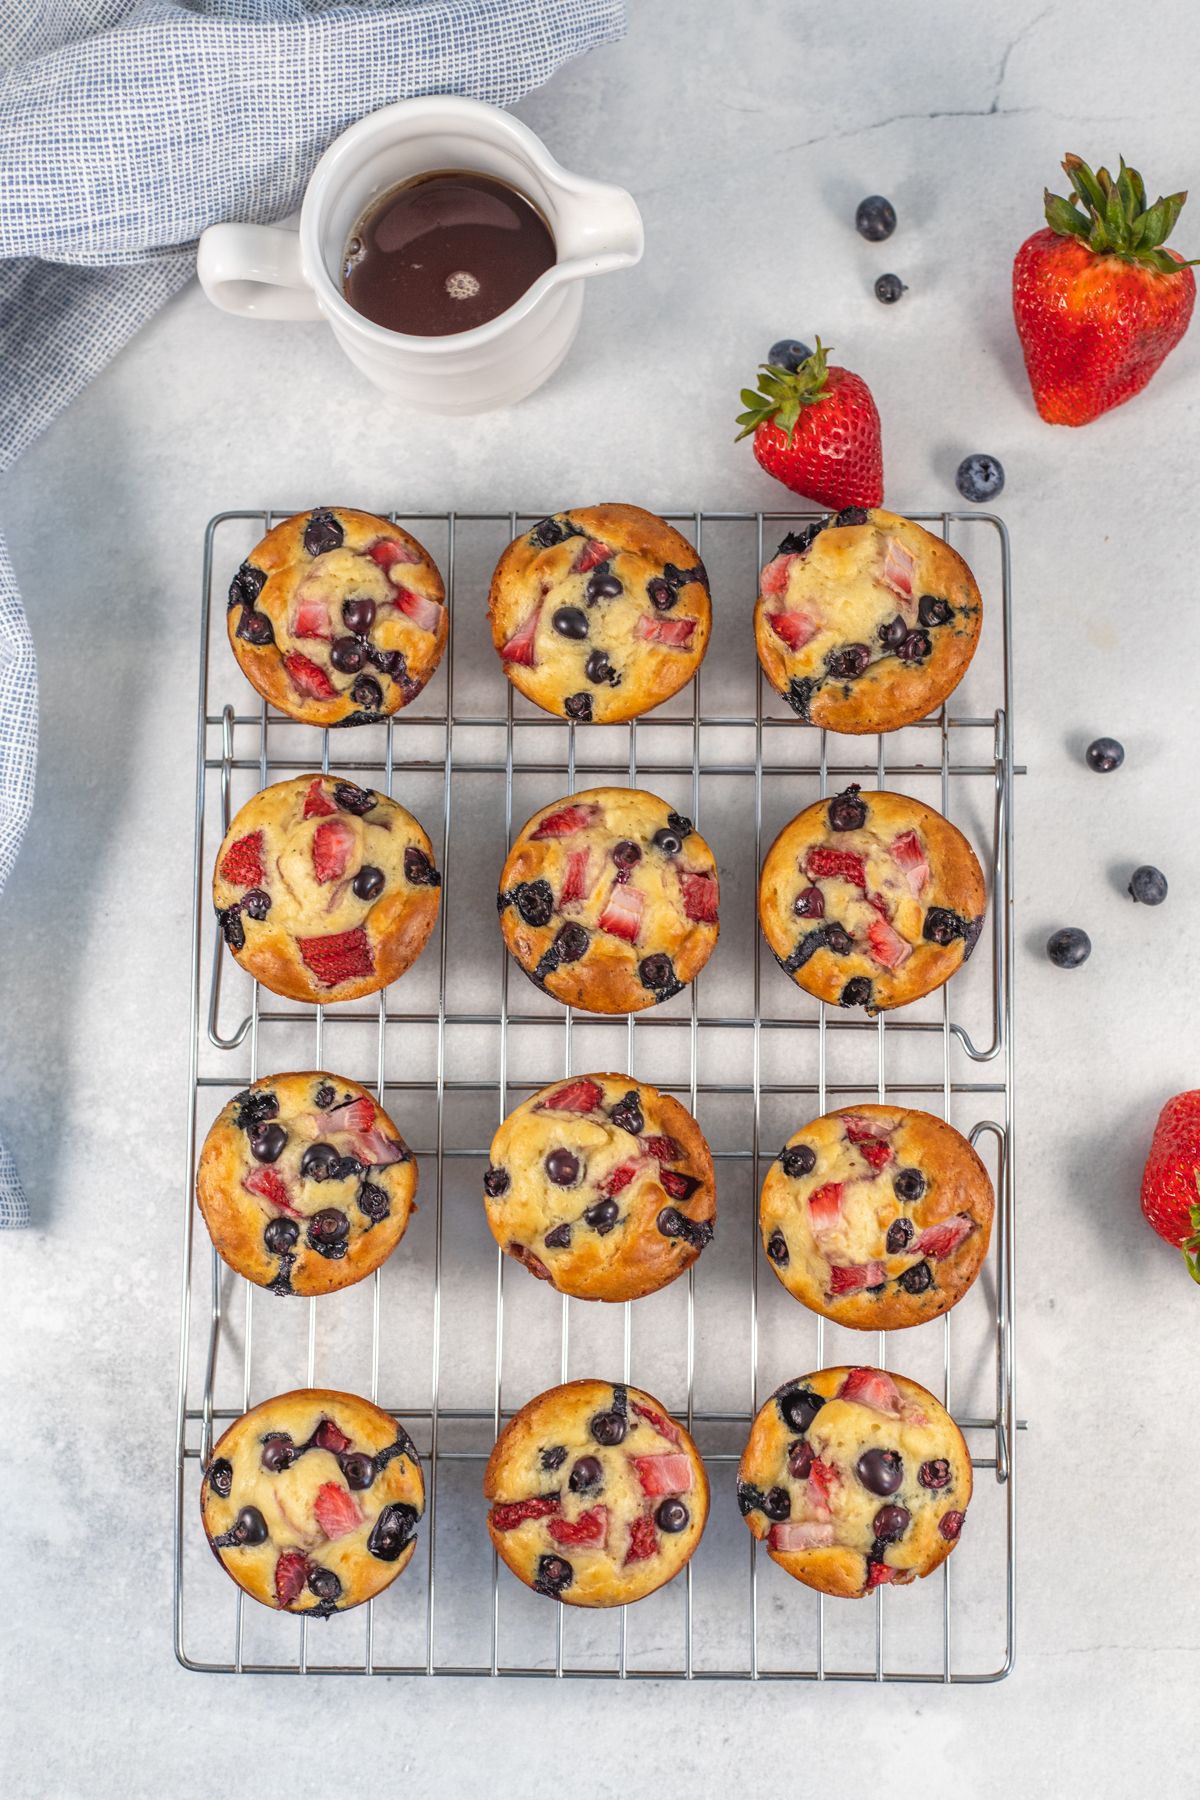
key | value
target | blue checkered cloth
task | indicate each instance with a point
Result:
(126, 127)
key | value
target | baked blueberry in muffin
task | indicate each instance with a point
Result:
(870, 899)
(325, 890)
(597, 1496)
(865, 621)
(600, 613)
(609, 900)
(338, 617)
(305, 1184)
(877, 1216)
(601, 1186)
(854, 1478)
(311, 1501)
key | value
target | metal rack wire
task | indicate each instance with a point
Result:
(450, 1335)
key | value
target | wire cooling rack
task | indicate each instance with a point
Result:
(452, 1336)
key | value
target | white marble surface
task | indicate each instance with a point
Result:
(748, 142)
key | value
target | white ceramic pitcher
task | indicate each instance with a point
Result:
(269, 272)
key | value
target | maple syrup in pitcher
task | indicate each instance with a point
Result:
(445, 252)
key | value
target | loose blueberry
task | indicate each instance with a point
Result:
(849, 662)
(900, 1235)
(1104, 755)
(266, 1142)
(672, 1516)
(856, 992)
(418, 870)
(627, 1114)
(358, 1469)
(394, 1528)
(788, 353)
(322, 534)
(579, 707)
(979, 478)
(798, 1160)
(347, 655)
(570, 622)
(603, 1216)
(367, 693)
(559, 1238)
(798, 1407)
(324, 1585)
(554, 1457)
(609, 1428)
(626, 854)
(1148, 885)
(562, 1168)
(1068, 948)
(880, 1471)
(809, 904)
(319, 1163)
(915, 648)
(535, 902)
(932, 609)
(846, 811)
(777, 1249)
(586, 1475)
(368, 884)
(220, 1477)
(554, 1574)
(908, 1185)
(597, 668)
(358, 616)
(255, 628)
(875, 218)
(496, 1181)
(891, 1523)
(889, 288)
(917, 1279)
(354, 799)
(328, 1231)
(280, 1236)
(935, 1474)
(278, 1452)
(603, 586)
(372, 1201)
(893, 633)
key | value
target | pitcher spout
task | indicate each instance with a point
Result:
(598, 228)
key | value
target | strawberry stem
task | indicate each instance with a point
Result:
(782, 396)
(1111, 216)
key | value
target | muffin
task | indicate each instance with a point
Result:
(870, 899)
(601, 1186)
(311, 1501)
(305, 1184)
(324, 890)
(600, 613)
(338, 618)
(865, 622)
(608, 900)
(877, 1216)
(597, 1496)
(854, 1478)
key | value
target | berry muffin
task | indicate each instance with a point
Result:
(877, 1216)
(871, 899)
(597, 1496)
(600, 613)
(338, 618)
(865, 622)
(608, 900)
(601, 1186)
(854, 1478)
(325, 890)
(305, 1184)
(311, 1501)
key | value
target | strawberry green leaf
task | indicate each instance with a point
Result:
(1065, 217)
(1115, 220)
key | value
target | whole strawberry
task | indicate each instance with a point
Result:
(1171, 1180)
(817, 430)
(1097, 298)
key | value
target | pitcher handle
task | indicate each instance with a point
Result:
(254, 270)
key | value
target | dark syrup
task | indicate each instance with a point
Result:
(444, 252)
